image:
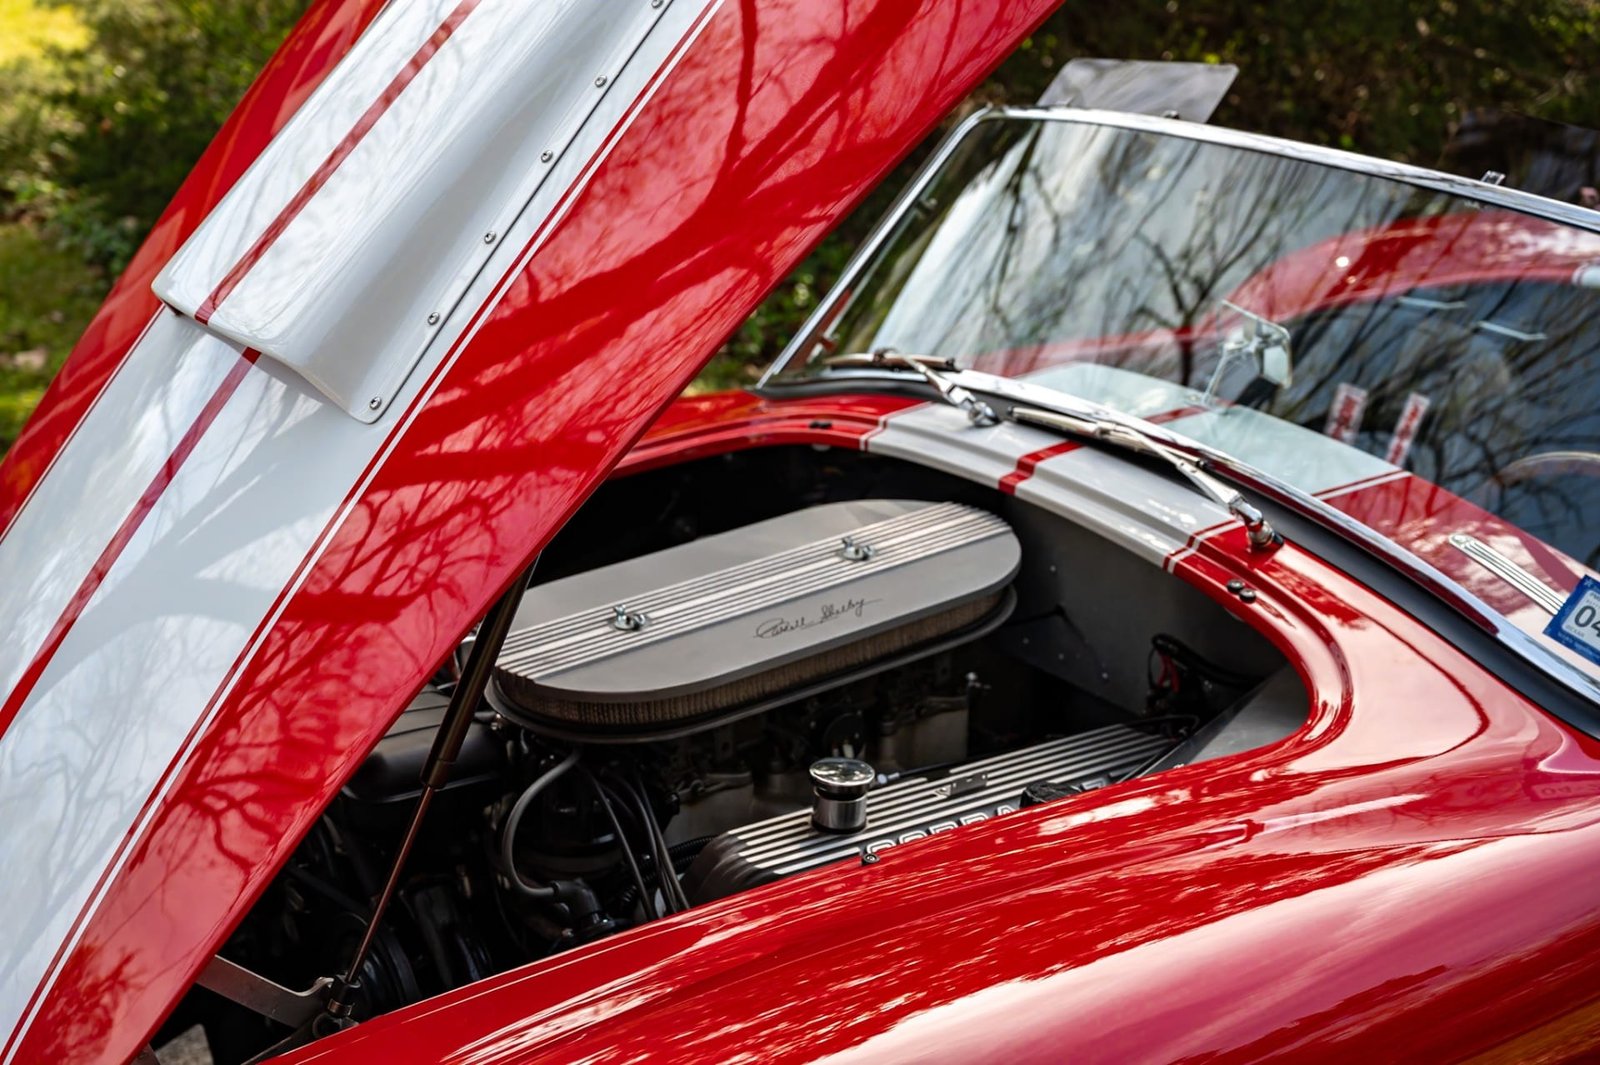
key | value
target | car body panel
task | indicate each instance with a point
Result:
(353, 557)
(1416, 851)
(223, 588)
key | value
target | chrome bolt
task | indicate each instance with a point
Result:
(546, 155)
(433, 319)
(374, 403)
(488, 238)
(851, 551)
(655, 3)
(600, 82)
(625, 620)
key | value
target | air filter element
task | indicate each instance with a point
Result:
(730, 624)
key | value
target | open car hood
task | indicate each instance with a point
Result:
(442, 267)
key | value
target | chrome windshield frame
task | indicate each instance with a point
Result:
(1479, 191)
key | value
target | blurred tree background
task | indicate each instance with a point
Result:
(105, 104)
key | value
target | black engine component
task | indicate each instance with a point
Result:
(387, 784)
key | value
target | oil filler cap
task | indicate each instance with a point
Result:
(840, 786)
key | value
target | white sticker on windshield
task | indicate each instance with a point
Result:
(1577, 624)
(1405, 430)
(1344, 415)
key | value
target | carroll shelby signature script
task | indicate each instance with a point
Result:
(826, 613)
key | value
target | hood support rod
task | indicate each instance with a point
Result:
(464, 702)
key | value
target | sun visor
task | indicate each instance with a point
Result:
(1190, 91)
(344, 247)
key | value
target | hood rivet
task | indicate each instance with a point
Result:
(488, 238)
(600, 82)
(374, 403)
(433, 319)
(546, 155)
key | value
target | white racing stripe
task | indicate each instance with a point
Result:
(1129, 505)
(481, 113)
(98, 476)
(940, 436)
(119, 705)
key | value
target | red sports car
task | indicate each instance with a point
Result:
(1148, 613)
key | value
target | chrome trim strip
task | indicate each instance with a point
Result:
(1471, 188)
(875, 240)
(1508, 571)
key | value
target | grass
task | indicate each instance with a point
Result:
(47, 296)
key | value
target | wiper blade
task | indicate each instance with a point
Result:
(933, 370)
(1122, 434)
(1096, 425)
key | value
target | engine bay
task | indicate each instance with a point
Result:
(737, 670)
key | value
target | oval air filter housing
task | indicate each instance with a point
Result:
(733, 623)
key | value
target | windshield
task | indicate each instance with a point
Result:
(1326, 326)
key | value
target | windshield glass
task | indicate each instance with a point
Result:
(1329, 327)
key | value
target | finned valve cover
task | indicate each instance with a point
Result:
(916, 808)
(731, 622)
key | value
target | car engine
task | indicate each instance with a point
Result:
(678, 727)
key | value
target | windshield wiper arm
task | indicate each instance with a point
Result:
(933, 370)
(1096, 426)
(1121, 434)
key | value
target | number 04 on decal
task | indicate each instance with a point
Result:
(1577, 623)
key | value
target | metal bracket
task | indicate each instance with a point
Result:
(1508, 571)
(260, 995)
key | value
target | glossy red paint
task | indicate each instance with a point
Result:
(722, 182)
(1422, 850)
(703, 426)
(1030, 462)
(1440, 251)
(1420, 516)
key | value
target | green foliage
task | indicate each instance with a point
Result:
(148, 94)
(47, 294)
(26, 30)
(31, 40)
